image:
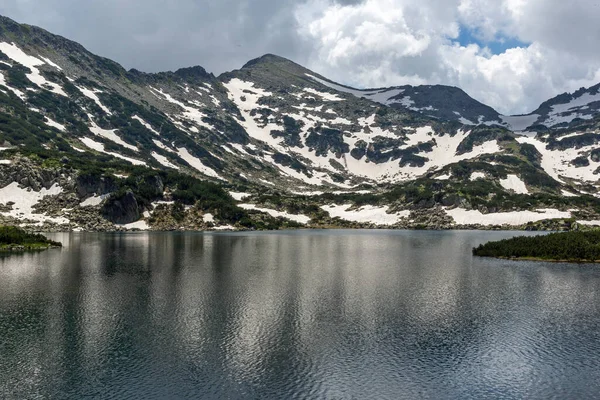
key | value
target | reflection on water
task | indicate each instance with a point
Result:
(308, 314)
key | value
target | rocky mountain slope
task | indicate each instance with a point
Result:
(85, 144)
(562, 111)
(437, 101)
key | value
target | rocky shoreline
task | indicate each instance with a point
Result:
(78, 203)
(21, 248)
(549, 227)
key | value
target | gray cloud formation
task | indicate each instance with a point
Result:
(159, 35)
(358, 42)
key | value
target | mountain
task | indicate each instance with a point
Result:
(562, 111)
(437, 101)
(88, 145)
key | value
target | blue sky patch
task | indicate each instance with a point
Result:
(497, 46)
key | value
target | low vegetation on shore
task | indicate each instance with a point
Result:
(16, 239)
(567, 246)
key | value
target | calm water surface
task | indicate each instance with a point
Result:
(297, 315)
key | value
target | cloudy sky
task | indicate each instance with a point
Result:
(510, 54)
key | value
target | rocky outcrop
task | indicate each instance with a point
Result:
(123, 209)
(434, 218)
(28, 174)
(94, 185)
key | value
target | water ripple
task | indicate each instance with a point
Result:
(295, 315)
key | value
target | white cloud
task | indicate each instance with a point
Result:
(394, 42)
(359, 42)
(158, 35)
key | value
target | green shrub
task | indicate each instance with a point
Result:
(572, 246)
(13, 235)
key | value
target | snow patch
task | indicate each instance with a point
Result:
(366, 214)
(160, 145)
(589, 223)
(37, 78)
(308, 193)
(476, 175)
(570, 135)
(444, 177)
(93, 201)
(189, 113)
(162, 202)
(196, 163)
(51, 63)
(383, 96)
(139, 225)
(514, 183)
(145, 124)
(215, 101)
(92, 144)
(19, 93)
(567, 112)
(444, 153)
(55, 124)
(111, 135)
(463, 120)
(239, 90)
(239, 196)
(25, 199)
(91, 94)
(224, 228)
(301, 219)
(16, 54)
(164, 161)
(468, 217)
(324, 95)
(556, 163)
(569, 194)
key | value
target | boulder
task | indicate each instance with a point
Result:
(123, 209)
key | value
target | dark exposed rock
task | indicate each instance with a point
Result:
(288, 161)
(123, 209)
(337, 165)
(360, 150)
(482, 134)
(28, 174)
(91, 184)
(324, 140)
(581, 162)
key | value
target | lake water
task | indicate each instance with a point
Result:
(295, 315)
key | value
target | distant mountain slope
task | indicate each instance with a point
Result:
(85, 144)
(561, 111)
(343, 136)
(442, 102)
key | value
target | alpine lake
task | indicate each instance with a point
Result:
(295, 315)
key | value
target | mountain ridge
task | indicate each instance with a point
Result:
(15, 27)
(272, 144)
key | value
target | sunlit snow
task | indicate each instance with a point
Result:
(25, 199)
(92, 144)
(514, 218)
(514, 183)
(366, 214)
(196, 163)
(302, 219)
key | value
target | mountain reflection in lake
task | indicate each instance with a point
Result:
(306, 314)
